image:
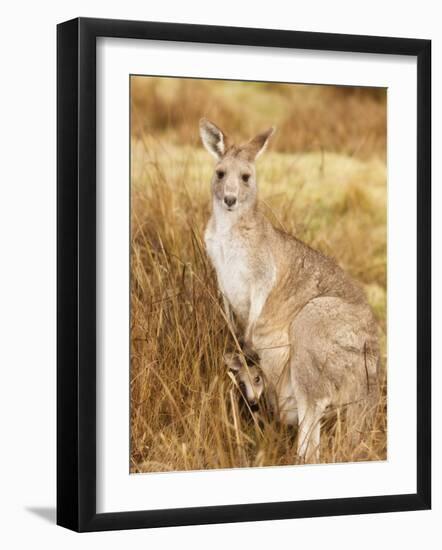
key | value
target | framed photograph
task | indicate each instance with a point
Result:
(243, 274)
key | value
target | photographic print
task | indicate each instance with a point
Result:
(225, 270)
(258, 274)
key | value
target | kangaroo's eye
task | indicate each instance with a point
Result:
(245, 178)
(242, 386)
(220, 174)
(257, 379)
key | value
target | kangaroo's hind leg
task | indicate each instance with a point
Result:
(310, 415)
(311, 393)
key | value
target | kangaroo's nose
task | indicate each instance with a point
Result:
(229, 200)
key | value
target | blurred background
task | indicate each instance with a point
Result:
(323, 179)
(341, 119)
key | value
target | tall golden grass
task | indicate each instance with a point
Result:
(324, 180)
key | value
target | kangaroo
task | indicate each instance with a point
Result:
(310, 323)
(249, 378)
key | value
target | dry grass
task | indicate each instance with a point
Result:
(184, 407)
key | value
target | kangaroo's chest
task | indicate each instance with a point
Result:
(230, 257)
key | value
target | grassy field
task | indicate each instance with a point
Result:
(323, 179)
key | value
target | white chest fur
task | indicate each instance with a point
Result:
(230, 258)
(244, 282)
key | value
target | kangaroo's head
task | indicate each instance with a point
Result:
(249, 378)
(234, 179)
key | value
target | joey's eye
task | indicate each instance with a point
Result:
(245, 178)
(257, 379)
(220, 174)
(242, 386)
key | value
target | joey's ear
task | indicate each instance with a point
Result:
(232, 362)
(258, 144)
(214, 140)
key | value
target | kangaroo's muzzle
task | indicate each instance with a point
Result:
(230, 200)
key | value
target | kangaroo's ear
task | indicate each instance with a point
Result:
(258, 144)
(232, 362)
(214, 140)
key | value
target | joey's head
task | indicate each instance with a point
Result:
(234, 186)
(248, 376)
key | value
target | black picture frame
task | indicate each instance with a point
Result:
(77, 287)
